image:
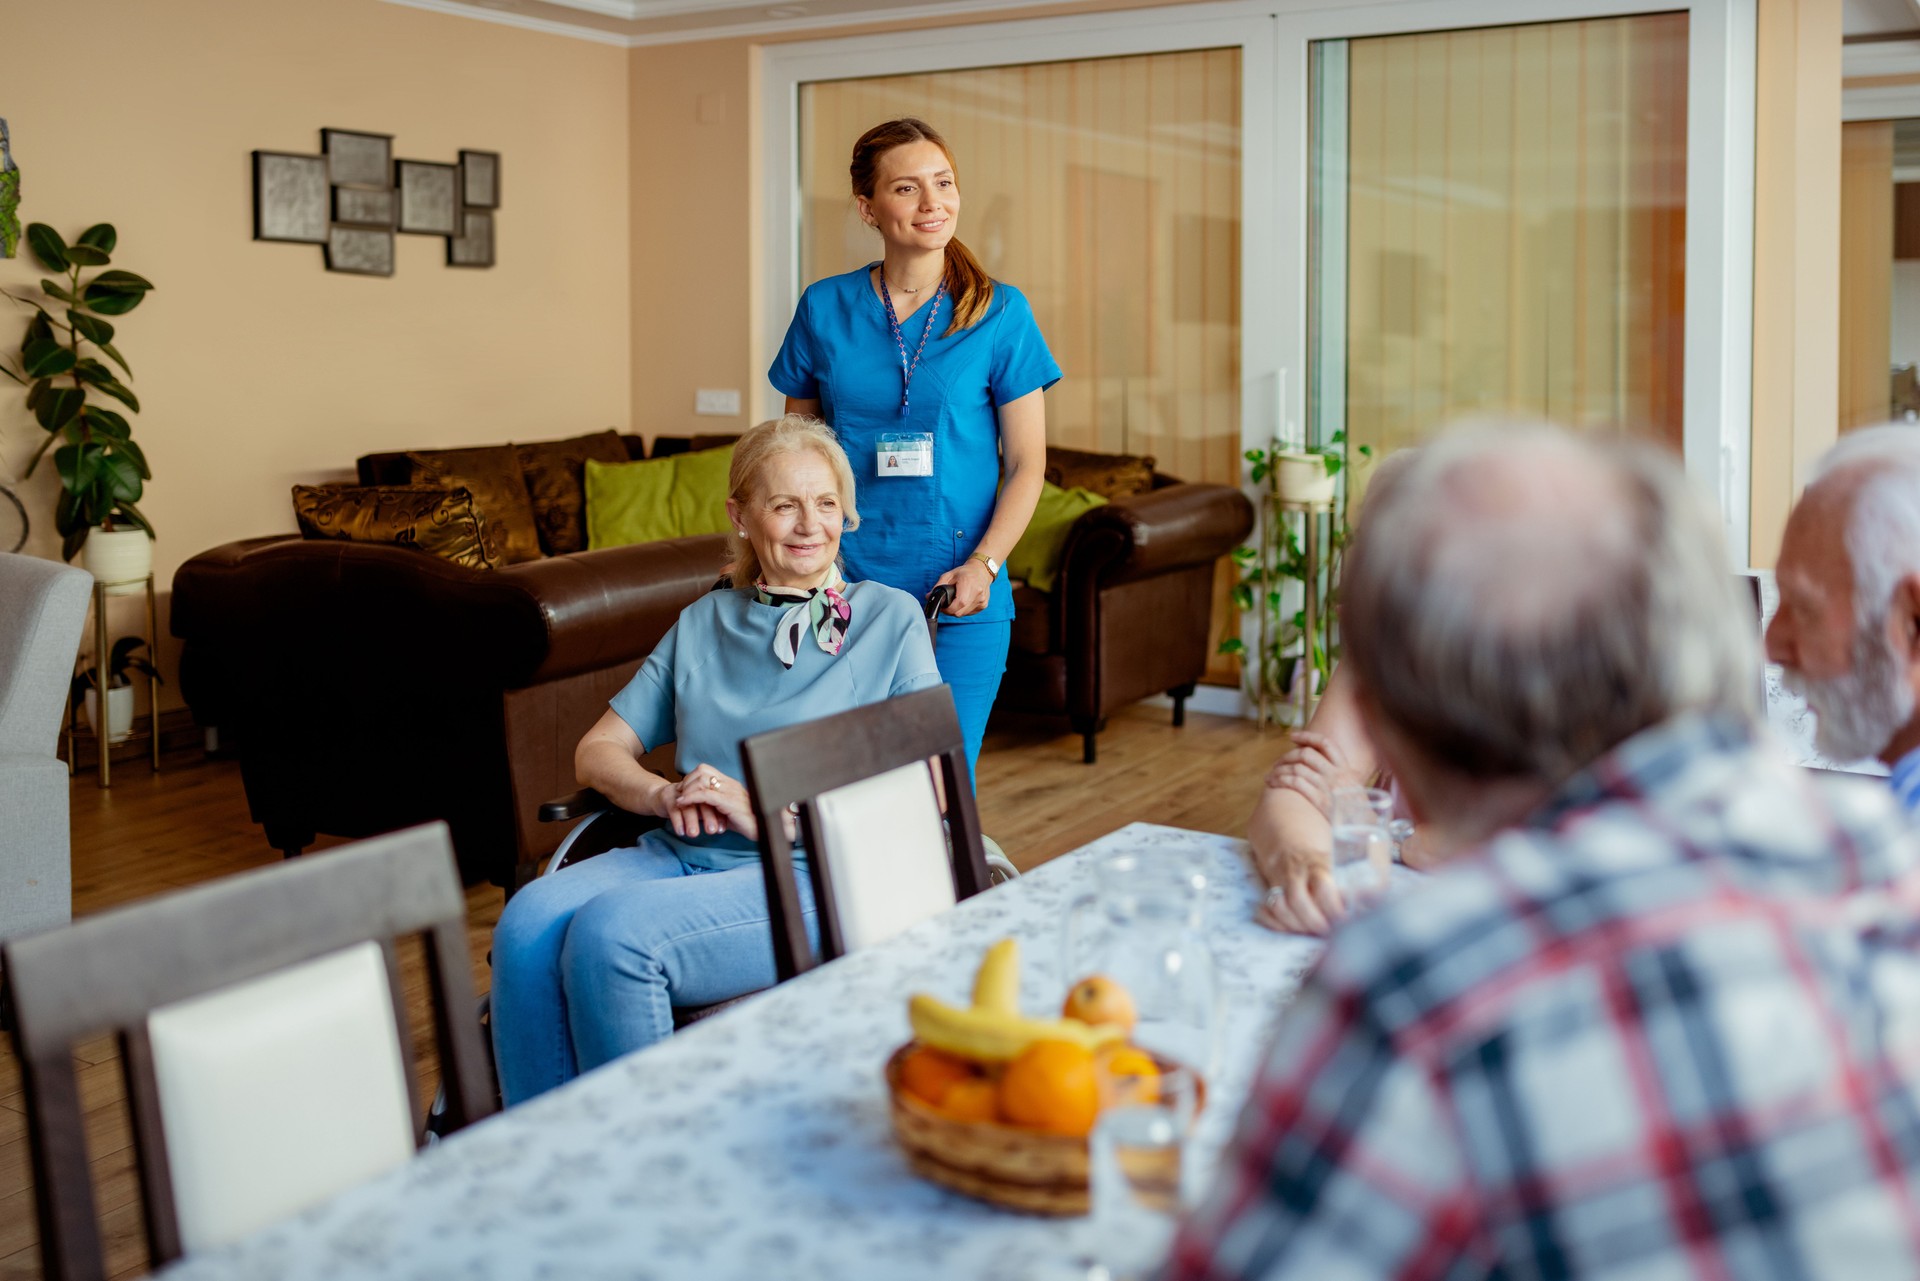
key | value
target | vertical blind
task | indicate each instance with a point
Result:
(1515, 227)
(1108, 191)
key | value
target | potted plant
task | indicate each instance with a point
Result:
(125, 659)
(1275, 577)
(102, 472)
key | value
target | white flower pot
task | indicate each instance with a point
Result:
(119, 713)
(121, 558)
(1302, 478)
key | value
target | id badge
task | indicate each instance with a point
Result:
(904, 453)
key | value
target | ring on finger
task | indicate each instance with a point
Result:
(1276, 895)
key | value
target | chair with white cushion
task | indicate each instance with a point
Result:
(861, 788)
(263, 1033)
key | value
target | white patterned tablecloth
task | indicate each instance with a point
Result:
(756, 1144)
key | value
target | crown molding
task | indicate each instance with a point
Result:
(637, 13)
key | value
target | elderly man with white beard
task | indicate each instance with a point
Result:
(1847, 633)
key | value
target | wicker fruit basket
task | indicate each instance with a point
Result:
(1008, 1165)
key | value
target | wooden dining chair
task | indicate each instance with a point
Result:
(879, 856)
(262, 1030)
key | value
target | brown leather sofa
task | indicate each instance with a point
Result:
(365, 687)
(1130, 613)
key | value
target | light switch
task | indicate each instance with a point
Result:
(720, 404)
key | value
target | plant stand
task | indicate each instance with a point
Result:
(104, 768)
(1318, 629)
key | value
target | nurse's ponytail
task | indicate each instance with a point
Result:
(967, 281)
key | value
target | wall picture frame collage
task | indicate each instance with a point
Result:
(354, 197)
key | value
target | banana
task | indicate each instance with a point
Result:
(997, 985)
(991, 1036)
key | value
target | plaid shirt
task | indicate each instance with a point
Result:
(1668, 1028)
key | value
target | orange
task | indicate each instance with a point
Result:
(1052, 1086)
(973, 1099)
(1098, 999)
(1128, 1074)
(930, 1073)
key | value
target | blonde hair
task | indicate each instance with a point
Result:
(760, 445)
(967, 281)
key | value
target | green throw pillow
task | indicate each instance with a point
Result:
(644, 502)
(1036, 557)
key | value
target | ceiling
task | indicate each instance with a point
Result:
(1882, 76)
(645, 22)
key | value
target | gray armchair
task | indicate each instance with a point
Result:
(43, 610)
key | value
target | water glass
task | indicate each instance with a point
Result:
(1362, 843)
(1139, 1179)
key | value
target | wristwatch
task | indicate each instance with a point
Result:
(993, 566)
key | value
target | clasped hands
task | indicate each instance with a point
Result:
(706, 803)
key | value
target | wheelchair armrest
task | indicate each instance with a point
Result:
(573, 805)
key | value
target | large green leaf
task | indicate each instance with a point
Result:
(48, 248)
(59, 406)
(57, 290)
(86, 256)
(139, 517)
(97, 374)
(130, 450)
(45, 358)
(77, 466)
(124, 281)
(122, 477)
(118, 359)
(91, 328)
(100, 236)
(110, 302)
(107, 423)
(39, 329)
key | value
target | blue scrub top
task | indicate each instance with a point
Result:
(840, 350)
(714, 679)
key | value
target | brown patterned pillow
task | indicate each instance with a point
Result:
(554, 472)
(492, 475)
(1108, 475)
(434, 520)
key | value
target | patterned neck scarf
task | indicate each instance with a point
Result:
(822, 610)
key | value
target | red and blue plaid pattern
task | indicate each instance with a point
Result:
(1670, 1028)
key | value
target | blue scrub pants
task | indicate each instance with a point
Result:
(589, 962)
(972, 658)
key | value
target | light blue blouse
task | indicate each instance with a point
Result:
(840, 350)
(713, 680)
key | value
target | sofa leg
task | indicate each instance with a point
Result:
(1089, 749)
(289, 840)
(1180, 694)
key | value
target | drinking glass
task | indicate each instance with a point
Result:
(1143, 927)
(1362, 843)
(1139, 1178)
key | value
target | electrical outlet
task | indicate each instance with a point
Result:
(720, 404)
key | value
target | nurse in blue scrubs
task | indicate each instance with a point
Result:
(931, 374)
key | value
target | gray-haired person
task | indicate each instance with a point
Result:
(1640, 1023)
(1847, 631)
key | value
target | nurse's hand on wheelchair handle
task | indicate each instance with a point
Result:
(971, 584)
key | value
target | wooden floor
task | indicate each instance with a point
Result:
(153, 833)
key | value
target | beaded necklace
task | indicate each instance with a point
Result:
(900, 339)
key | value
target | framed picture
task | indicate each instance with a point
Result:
(354, 159)
(361, 251)
(359, 208)
(474, 246)
(290, 197)
(480, 179)
(429, 197)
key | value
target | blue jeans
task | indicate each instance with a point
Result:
(588, 963)
(972, 658)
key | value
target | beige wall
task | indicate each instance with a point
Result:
(256, 367)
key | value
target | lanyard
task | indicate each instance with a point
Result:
(900, 339)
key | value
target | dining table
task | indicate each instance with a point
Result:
(758, 1143)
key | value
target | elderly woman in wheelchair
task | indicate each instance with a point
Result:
(589, 964)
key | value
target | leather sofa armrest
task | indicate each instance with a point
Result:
(1164, 529)
(514, 627)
